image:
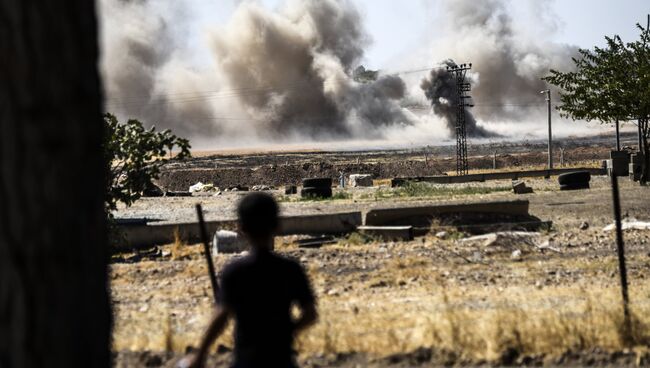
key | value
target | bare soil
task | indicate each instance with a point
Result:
(286, 168)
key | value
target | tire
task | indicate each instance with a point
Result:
(317, 183)
(576, 177)
(311, 192)
(575, 186)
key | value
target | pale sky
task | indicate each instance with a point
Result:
(399, 26)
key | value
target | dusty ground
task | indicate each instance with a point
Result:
(428, 302)
(229, 169)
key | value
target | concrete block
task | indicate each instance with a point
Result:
(138, 235)
(412, 215)
(225, 241)
(634, 170)
(336, 223)
(619, 164)
(290, 189)
(404, 233)
(360, 180)
(619, 154)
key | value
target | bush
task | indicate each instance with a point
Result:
(135, 156)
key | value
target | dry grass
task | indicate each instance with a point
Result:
(400, 303)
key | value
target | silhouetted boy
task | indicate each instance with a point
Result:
(258, 291)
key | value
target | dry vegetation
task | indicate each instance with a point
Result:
(469, 303)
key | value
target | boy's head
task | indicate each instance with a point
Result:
(258, 216)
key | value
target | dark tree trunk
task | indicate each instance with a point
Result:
(54, 300)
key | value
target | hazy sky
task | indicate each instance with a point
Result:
(399, 26)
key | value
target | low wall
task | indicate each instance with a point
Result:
(139, 234)
(513, 175)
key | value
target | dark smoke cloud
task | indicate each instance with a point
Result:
(440, 89)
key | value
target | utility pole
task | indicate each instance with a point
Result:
(462, 87)
(550, 134)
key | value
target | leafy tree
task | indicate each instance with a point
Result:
(135, 156)
(610, 84)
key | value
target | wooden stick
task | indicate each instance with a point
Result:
(208, 256)
(621, 253)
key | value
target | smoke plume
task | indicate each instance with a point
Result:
(440, 89)
(287, 74)
(284, 74)
(507, 62)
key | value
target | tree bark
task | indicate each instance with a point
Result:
(54, 299)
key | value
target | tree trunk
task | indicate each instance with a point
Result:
(54, 300)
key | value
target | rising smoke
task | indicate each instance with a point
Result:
(286, 74)
(508, 63)
(289, 73)
(440, 89)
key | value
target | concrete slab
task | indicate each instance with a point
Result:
(394, 216)
(140, 234)
(360, 180)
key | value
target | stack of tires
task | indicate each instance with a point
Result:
(574, 180)
(316, 188)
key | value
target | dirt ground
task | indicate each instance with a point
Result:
(282, 168)
(548, 298)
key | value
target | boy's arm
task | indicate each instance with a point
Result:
(215, 329)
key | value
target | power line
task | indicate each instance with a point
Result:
(183, 97)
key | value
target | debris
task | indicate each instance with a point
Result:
(519, 187)
(203, 188)
(629, 224)
(584, 225)
(261, 188)
(505, 238)
(360, 180)
(516, 255)
(547, 246)
(237, 188)
(442, 235)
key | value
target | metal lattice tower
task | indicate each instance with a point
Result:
(462, 87)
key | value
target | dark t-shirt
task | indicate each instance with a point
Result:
(260, 290)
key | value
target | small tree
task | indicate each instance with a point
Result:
(135, 156)
(610, 84)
